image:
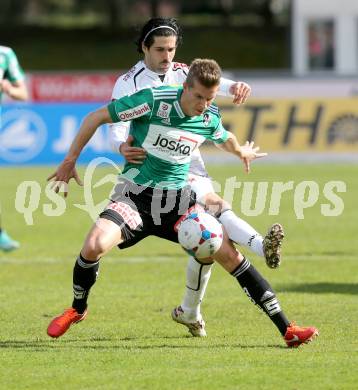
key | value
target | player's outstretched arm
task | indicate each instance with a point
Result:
(246, 152)
(67, 170)
(16, 90)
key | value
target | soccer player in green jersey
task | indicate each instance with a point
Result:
(169, 123)
(157, 42)
(12, 84)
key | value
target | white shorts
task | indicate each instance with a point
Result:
(201, 185)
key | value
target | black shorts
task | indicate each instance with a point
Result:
(144, 211)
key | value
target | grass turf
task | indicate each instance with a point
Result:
(128, 340)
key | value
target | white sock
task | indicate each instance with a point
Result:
(197, 278)
(241, 232)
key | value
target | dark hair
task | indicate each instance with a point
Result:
(206, 72)
(147, 37)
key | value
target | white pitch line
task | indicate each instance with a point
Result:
(158, 259)
(119, 259)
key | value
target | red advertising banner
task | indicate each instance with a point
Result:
(72, 88)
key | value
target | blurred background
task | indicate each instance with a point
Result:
(300, 58)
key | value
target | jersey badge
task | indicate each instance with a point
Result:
(164, 110)
(206, 119)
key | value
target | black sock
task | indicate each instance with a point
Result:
(260, 293)
(84, 277)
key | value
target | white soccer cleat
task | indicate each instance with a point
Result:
(272, 245)
(196, 328)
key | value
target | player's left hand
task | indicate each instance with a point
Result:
(132, 154)
(249, 153)
(240, 91)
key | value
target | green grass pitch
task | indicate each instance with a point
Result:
(129, 341)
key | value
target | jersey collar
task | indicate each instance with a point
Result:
(176, 104)
(150, 73)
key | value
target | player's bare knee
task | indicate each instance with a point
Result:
(94, 247)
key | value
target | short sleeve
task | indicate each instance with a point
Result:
(14, 71)
(220, 134)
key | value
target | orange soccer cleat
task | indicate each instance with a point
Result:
(297, 335)
(59, 325)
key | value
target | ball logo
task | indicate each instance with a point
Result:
(23, 135)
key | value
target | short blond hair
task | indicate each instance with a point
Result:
(207, 72)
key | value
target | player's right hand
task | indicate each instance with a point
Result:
(249, 153)
(64, 173)
(131, 153)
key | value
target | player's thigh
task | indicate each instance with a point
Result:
(205, 194)
(214, 204)
(201, 185)
(129, 217)
(102, 237)
(168, 229)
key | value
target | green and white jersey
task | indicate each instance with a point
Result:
(166, 133)
(10, 68)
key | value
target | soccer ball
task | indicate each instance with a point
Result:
(200, 234)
